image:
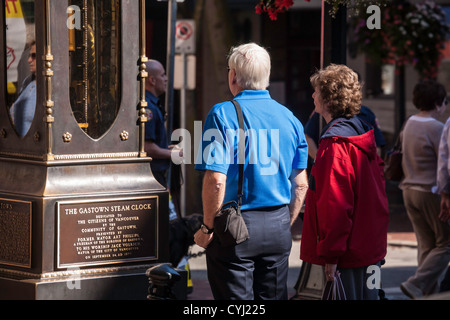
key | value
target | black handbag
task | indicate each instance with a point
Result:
(229, 225)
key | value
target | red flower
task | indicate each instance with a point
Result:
(272, 13)
(259, 8)
(284, 4)
(273, 7)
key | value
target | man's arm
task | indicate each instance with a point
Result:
(299, 187)
(312, 147)
(156, 152)
(213, 193)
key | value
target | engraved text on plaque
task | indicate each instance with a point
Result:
(15, 232)
(109, 231)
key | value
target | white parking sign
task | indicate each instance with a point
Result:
(185, 36)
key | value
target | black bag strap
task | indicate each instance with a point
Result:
(241, 149)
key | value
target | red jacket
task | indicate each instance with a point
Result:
(346, 210)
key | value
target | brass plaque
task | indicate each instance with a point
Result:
(107, 231)
(15, 232)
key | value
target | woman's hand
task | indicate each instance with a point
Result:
(330, 270)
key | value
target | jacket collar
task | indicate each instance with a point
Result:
(354, 131)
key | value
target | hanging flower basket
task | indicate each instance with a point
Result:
(273, 7)
(410, 34)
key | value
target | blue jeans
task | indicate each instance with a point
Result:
(257, 268)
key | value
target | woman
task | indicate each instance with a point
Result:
(274, 185)
(346, 213)
(23, 109)
(420, 146)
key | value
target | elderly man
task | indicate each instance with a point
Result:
(274, 182)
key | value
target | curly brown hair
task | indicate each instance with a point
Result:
(340, 88)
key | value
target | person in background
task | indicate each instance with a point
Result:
(23, 109)
(443, 172)
(156, 139)
(273, 192)
(420, 147)
(346, 213)
(157, 143)
(443, 188)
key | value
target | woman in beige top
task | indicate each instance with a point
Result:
(420, 145)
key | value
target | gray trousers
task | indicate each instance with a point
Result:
(433, 239)
(256, 269)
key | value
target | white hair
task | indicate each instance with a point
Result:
(252, 66)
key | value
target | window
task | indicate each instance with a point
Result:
(94, 51)
(20, 63)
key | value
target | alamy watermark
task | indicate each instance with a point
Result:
(74, 282)
(374, 280)
(264, 144)
(220, 148)
(74, 19)
(374, 20)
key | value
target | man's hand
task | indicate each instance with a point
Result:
(203, 239)
(176, 154)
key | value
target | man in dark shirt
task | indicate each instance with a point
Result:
(156, 139)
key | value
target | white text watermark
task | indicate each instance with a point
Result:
(263, 147)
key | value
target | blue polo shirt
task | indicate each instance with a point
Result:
(155, 130)
(274, 145)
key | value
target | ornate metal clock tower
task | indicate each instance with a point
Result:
(80, 211)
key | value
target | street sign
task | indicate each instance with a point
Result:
(184, 72)
(185, 36)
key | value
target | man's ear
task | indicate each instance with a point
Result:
(151, 79)
(233, 76)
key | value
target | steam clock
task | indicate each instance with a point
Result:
(81, 215)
